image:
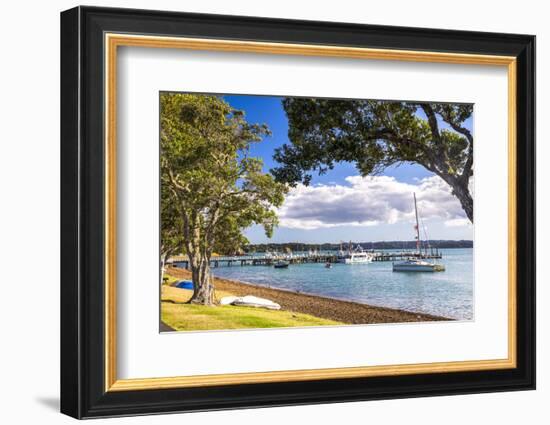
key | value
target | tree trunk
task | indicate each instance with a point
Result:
(164, 256)
(162, 265)
(462, 192)
(203, 291)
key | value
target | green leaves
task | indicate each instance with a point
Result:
(216, 187)
(375, 135)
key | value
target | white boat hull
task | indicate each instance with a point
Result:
(398, 268)
(250, 301)
(411, 267)
(355, 260)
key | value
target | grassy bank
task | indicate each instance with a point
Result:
(186, 317)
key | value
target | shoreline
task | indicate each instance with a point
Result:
(348, 312)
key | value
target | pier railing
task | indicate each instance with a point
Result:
(301, 258)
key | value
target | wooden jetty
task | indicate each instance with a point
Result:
(397, 256)
(312, 257)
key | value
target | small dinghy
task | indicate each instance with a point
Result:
(250, 301)
(281, 264)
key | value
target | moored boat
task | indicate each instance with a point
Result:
(281, 264)
(417, 264)
(355, 256)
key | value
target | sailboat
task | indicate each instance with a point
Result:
(417, 264)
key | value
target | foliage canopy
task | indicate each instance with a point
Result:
(215, 188)
(375, 135)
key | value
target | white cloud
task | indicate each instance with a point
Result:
(368, 201)
(458, 222)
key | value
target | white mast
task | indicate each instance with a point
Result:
(416, 227)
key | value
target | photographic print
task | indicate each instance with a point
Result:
(309, 210)
(281, 212)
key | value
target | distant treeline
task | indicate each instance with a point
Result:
(296, 246)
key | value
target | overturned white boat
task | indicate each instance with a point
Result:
(250, 301)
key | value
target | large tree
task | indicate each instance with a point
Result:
(216, 188)
(171, 230)
(375, 135)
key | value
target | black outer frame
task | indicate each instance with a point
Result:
(82, 212)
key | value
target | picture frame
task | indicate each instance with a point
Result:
(90, 39)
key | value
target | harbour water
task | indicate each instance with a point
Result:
(448, 293)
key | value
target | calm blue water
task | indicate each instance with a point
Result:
(448, 293)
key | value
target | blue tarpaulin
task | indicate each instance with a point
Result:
(185, 284)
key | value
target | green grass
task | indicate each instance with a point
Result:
(190, 317)
(187, 317)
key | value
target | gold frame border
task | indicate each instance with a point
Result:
(113, 41)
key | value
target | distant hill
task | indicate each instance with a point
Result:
(297, 246)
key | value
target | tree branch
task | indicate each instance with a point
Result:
(432, 121)
(467, 170)
(174, 182)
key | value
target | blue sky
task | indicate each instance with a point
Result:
(380, 207)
